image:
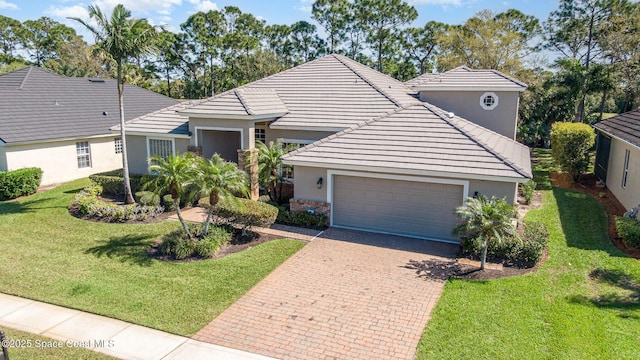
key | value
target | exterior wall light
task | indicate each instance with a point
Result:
(319, 183)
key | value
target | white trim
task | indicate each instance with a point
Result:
(231, 117)
(468, 88)
(332, 173)
(486, 95)
(173, 146)
(153, 134)
(310, 128)
(296, 141)
(215, 128)
(376, 169)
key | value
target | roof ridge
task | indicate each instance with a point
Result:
(160, 111)
(372, 84)
(499, 73)
(485, 146)
(240, 94)
(24, 80)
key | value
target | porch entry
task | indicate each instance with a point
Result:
(222, 142)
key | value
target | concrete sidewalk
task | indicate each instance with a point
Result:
(106, 335)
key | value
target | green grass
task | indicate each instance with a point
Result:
(34, 347)
(583, 303)
(50, 256)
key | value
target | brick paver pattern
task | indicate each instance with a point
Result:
(332, 300)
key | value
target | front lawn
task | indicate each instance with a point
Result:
(50, 256)
(583, 303)
(26, 346)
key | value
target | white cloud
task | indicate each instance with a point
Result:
(164, 7)
(305, 9)
(204, 5)
(7, 5)
(68, 11)
(436, 2)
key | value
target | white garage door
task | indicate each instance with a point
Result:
(399, 207)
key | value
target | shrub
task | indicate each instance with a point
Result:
(629, 230)
(528, 189)
(148, 198)
(177, 246)
(19, 182)
(301, 218)
(112, 182)
(246, 212)
(86, 203)
(570, 145)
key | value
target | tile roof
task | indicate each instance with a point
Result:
(164, 121)
(624, 126)
(462, 78)
(333, 92)
(36, 105)
(420, 139)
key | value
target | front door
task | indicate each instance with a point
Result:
(603, 145)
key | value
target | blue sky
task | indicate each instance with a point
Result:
(175, 12)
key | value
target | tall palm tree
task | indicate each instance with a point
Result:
(175, 174)
(217, 178)
(270, 167)
(487, 220)
(121, 38)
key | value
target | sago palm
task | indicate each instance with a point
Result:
(487, 220)
(174, 175)
(217, 179)
(121, 38)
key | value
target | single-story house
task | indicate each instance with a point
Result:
(373, 153)
(61, 124)
(618, 156)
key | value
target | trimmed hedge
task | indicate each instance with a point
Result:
(629, 230)
(301, 218)
(176, 245)
(86, 203)
(112, 182)
(19, 182)
(570, 145)
(147, 198)
(246, 212)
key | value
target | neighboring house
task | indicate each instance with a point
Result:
(618, 156)
(374, 153)
(61, 124)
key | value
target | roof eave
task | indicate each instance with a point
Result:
(275, 126)
(231, 117)
(155, 134)
(617, 137)
(454, 175)
(468, 88)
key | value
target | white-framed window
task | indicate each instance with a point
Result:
(83, 153)
(291, 144)
(160, 147)
(625, 170)
(118, 145)
(489, 101)
(260, 134)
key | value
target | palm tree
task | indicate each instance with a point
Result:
(486, 220)
(174, 175)
(217, 178)
(121, 39)
(270, 167)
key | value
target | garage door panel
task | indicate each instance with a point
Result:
(402, 207)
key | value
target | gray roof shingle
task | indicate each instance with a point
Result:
(420, 139)
(164, 121)
(36, 105)
(463, 78)
(624, 126)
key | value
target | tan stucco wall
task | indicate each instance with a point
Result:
(3, 159)
(629, 196)
(59, 162)
(494, 188)
(137, 152)
(502, 119)
(275, 134)
(305, 187)
(246, 126)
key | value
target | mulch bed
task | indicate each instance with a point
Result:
(587, 185)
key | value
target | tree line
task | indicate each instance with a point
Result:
(594, 46)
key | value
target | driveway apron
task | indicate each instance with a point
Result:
(346, 295)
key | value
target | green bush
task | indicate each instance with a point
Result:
(148, 198)
(570, 146)
(176, 245)
(629, 230)
(246, 212)
(86, 203)
(528, 189)
(301, 218)
(112, 182)
(19, 182)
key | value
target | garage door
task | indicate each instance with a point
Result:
(399, 207)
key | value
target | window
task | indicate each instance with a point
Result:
(83, 153)
(625, 171)
(160, 147)
(489, 101)
(291, 144)
(260, 135)
(118, 144)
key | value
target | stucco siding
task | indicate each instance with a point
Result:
(137, 154)
(59, 162)
(305, 183)
(502, 119)
(629, 195)
(494, 188)
(3, 159)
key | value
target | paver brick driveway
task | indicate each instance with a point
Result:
(346, 295)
